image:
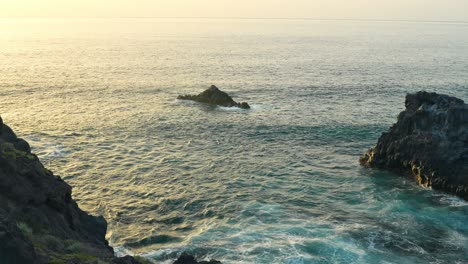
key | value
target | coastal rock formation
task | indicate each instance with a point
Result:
(214, 96)
(429, 141)
(39, 220)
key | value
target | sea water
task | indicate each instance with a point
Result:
(280, 183)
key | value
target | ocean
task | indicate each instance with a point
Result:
(280, 183)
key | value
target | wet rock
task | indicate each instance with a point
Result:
(189, 259)
(429, 141)
(214, 96)
(244, 105)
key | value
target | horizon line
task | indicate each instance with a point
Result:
(245, 18)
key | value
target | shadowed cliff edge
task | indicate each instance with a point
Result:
(429, 141)
(39, 220)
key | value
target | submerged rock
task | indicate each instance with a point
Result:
(214, 96)
(39, 220)
(189, 259)
(429, 141)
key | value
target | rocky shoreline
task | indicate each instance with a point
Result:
(39, 220)
(429, 142)
(41, 223)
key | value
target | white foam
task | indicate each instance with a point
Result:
(255, 107)
(121, 251)
(163, 253)
(453, 201)
(50, 152)
(231, 109)
(47, 151)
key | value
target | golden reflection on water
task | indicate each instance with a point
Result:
(96, 100)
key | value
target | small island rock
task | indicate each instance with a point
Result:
(214, 96)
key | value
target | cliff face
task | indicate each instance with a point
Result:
(39, 220)
(429, 141)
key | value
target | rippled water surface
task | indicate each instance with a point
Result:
(276, 184)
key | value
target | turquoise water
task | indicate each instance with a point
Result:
(276, 184)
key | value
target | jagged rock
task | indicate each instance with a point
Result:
(214, 96)
(38, 217)
(189, 259)
(429, 141)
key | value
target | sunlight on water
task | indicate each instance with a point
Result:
(279, 183)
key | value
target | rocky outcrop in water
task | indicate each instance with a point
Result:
(429, 141)
(214, 96)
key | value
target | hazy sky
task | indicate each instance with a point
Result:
(451, 10)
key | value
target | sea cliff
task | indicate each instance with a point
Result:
(39, 220)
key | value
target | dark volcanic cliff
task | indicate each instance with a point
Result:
(39, 220)
(430, 141)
